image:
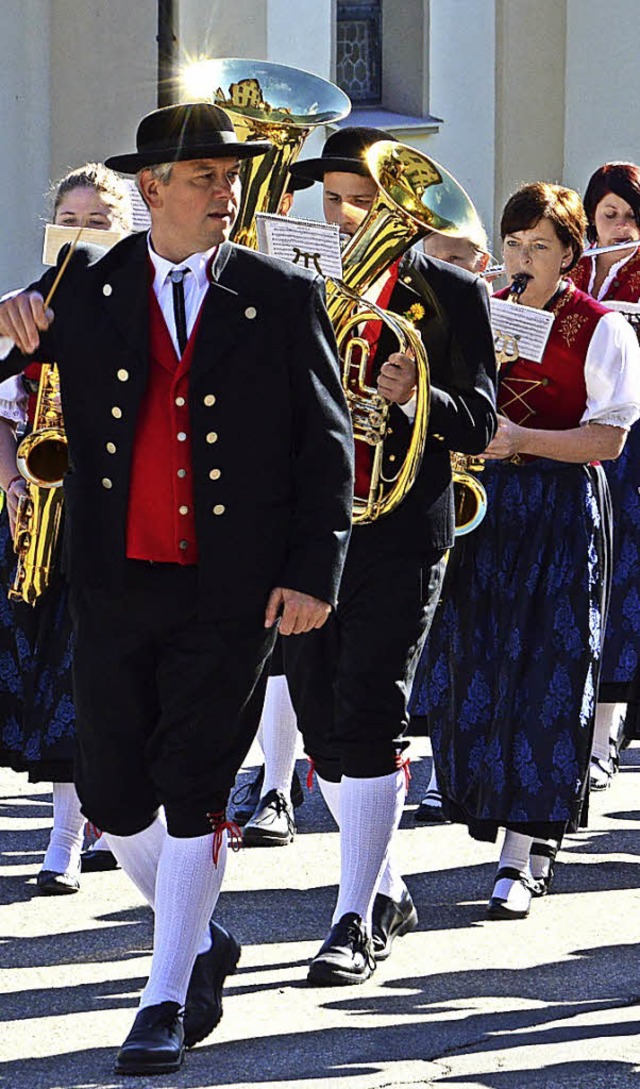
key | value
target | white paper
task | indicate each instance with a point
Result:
(525, 325)
(303, 242)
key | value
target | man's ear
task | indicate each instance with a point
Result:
(150, 187)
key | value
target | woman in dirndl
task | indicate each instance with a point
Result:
(514, 657)
(612, 205)
(37, 718)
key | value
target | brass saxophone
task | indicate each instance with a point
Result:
(42, 459)
(470, 497)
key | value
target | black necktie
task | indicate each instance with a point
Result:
(177, 275)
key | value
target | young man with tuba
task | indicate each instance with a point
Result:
(350, 682)
(209, 492)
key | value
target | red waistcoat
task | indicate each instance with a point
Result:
(160, 519)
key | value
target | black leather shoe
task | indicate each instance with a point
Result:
(272, 824)
(203, 1006)
(430, 809)
(391, 919)
(346, 955)
(50, 883)
(246, 798)
(155, 1044)
(92, 861)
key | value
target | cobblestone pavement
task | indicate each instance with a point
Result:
(551, 1001)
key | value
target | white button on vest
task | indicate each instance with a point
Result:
(209, 400)
(107, 290)
(182, 436)
(111, 447)
(116, 412)
(215, 474)
(123, 376)
(106, 483)
(183, 510)
(212, 437)
(250, 312)
(180, 401)
(218, 509)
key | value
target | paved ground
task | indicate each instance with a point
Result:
(552, 1001)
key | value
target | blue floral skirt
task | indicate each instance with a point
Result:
(621, 657)
(510, 672)
(37, 720)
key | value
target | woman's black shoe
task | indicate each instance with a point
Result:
(391, 919)
(203, 1006)
(92, 861)
(155, 1044)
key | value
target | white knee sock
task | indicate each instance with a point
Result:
(370, 812)
(433, 781)
(187, 888)
(100, 844)
(139, 855)
(65, 842)
(331, 795)
(515, 851)
(391, 882)
(608, 716)
(279, 737)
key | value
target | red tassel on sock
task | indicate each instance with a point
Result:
(402, 764)
(219, 826)
(310, 773)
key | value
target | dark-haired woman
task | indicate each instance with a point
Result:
(513, 676)
(37, 718)
(612, 206)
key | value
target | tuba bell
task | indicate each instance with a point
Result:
(416, 195)
(272, 102)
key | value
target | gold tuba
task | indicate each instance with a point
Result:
(42, 458)
(272, 102)
(416, 195)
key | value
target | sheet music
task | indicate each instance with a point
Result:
(55, 237)
(527, 326)
(303, 242)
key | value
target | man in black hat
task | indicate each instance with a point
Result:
(350, 682)
(208, 495)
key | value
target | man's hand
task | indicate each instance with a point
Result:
(505, 442)
(299, 612)
(22, 318)
(397, 378)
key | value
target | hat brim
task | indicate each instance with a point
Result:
(315, 169)
(131, 164)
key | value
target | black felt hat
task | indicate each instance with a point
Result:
(189, 130)
(345, 151)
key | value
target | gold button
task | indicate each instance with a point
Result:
(250, 312)
(439, 438)
(111, 447)
(407, 279)
(123, 376)
(212, 437)
(116, 412)
(182, 473)
(215, 474)
(106, 483)
(183, 510)
(180, 401)
(209, 400)
(182, 436)
(392, 457)
(218, 509)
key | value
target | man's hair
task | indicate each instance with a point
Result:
(161, 172)
(113, 190)
(541, 200)
(623, 179)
